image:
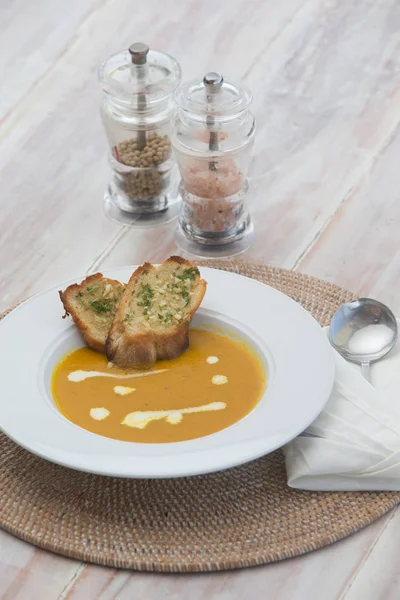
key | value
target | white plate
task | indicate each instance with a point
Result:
(300, 378)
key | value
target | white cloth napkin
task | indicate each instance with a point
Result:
(354, 444)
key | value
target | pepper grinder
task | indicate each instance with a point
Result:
(137, 110)
(212, 138)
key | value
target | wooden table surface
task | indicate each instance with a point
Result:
(325, 198)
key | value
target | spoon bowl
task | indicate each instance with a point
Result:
(363, 331)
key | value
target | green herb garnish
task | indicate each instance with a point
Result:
(165, 318)
(100, 306)
(190, 274)
(168, 317)
(185, 295)
(146, 294)
(79, 295)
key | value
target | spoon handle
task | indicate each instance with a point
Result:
(366, 371)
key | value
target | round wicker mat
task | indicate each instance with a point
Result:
(237, 518)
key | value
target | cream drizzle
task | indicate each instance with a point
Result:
(123, 390)
(212, 360)
(219, 379)
(99, 413)
(140, 419)
(77, 376)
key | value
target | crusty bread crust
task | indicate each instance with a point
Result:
(91, 335)
(143, 349)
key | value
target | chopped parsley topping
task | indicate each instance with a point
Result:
(101, 306)
(79, 295)
(170, 307)
(185, 295)
(91, 289)
(166, 318)
(146, 295)
(189, 274)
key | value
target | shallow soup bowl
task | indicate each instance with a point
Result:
(291, 346)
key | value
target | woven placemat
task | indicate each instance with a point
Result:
(238, 518)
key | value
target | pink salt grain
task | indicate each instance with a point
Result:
(204, 182)
(213, 211)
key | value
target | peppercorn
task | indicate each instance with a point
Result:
(146, 183)
(139, 185)
(156, 151)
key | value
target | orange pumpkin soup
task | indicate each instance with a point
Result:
(212, 385)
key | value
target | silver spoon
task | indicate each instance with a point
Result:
(363, 331)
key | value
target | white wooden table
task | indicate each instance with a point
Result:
(326, 200)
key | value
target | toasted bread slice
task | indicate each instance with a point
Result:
(153, 317)
(92, 304)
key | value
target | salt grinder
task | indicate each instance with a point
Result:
(212, 138)
(212, 83)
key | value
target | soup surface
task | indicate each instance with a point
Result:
(212, 385)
